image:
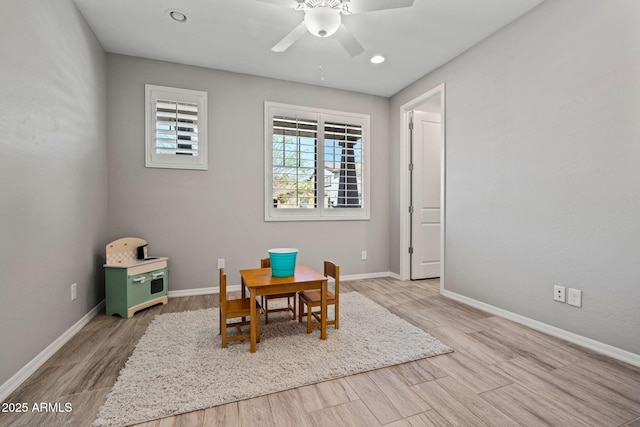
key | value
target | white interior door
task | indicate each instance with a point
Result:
(426, 188)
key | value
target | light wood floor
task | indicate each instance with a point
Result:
(501, 374)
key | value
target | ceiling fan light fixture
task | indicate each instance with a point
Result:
(322, 21)
(377, 59)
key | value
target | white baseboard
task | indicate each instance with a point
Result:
(369, 276)
(233, 288)
(15, 381)
(201, 291)
(606, 349)
(198, 291)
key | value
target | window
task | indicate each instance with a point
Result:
(176, 128)
(316, 164)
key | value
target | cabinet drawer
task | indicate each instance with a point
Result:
(147, 268)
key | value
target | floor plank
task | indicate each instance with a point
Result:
(257, 412)
(529, 409)
(400, 394)
(476, 376)
(447, 405)
(424, 419)
(288, 410)
(474, 403)
(352, 414)
(373, 397)
(586, 406)
(225, 415)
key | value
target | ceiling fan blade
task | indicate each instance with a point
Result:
(360, 6)
(349, 42)
(290, 38)
(286, 3)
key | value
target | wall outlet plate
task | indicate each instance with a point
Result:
(575, 297)
(559, 293)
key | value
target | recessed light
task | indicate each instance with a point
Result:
(176, 15)
(377, 59)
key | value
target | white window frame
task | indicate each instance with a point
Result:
(319, 213)
(153, 159)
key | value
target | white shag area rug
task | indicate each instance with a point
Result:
(179, 366)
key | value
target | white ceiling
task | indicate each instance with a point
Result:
(237, 35)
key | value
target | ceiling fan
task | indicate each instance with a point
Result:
(322, 18)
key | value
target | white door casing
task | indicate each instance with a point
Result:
(432, 100)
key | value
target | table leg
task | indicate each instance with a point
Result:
(253, 321)
(323, 305)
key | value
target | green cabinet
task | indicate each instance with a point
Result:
(135, 285)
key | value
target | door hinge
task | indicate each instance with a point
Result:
(411, 167)
(410, 125)
(410, 209)
(411, 250)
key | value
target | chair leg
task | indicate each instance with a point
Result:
(223, 330)
(300, 309)
(266, 310)
(337, 325)
(294, 308)
(289, 305)
(309, 317)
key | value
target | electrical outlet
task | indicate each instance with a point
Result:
(364, 255)
(575, 297)
(558, 293)
(220, 263)
(74, 291)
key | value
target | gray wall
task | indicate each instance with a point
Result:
(543, 182)
(196, 217)
(53, 177)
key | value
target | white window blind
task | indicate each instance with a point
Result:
(316, 164)
(343, 157)
(294, 162)
(176, 128)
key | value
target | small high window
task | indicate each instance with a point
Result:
(176, 128)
